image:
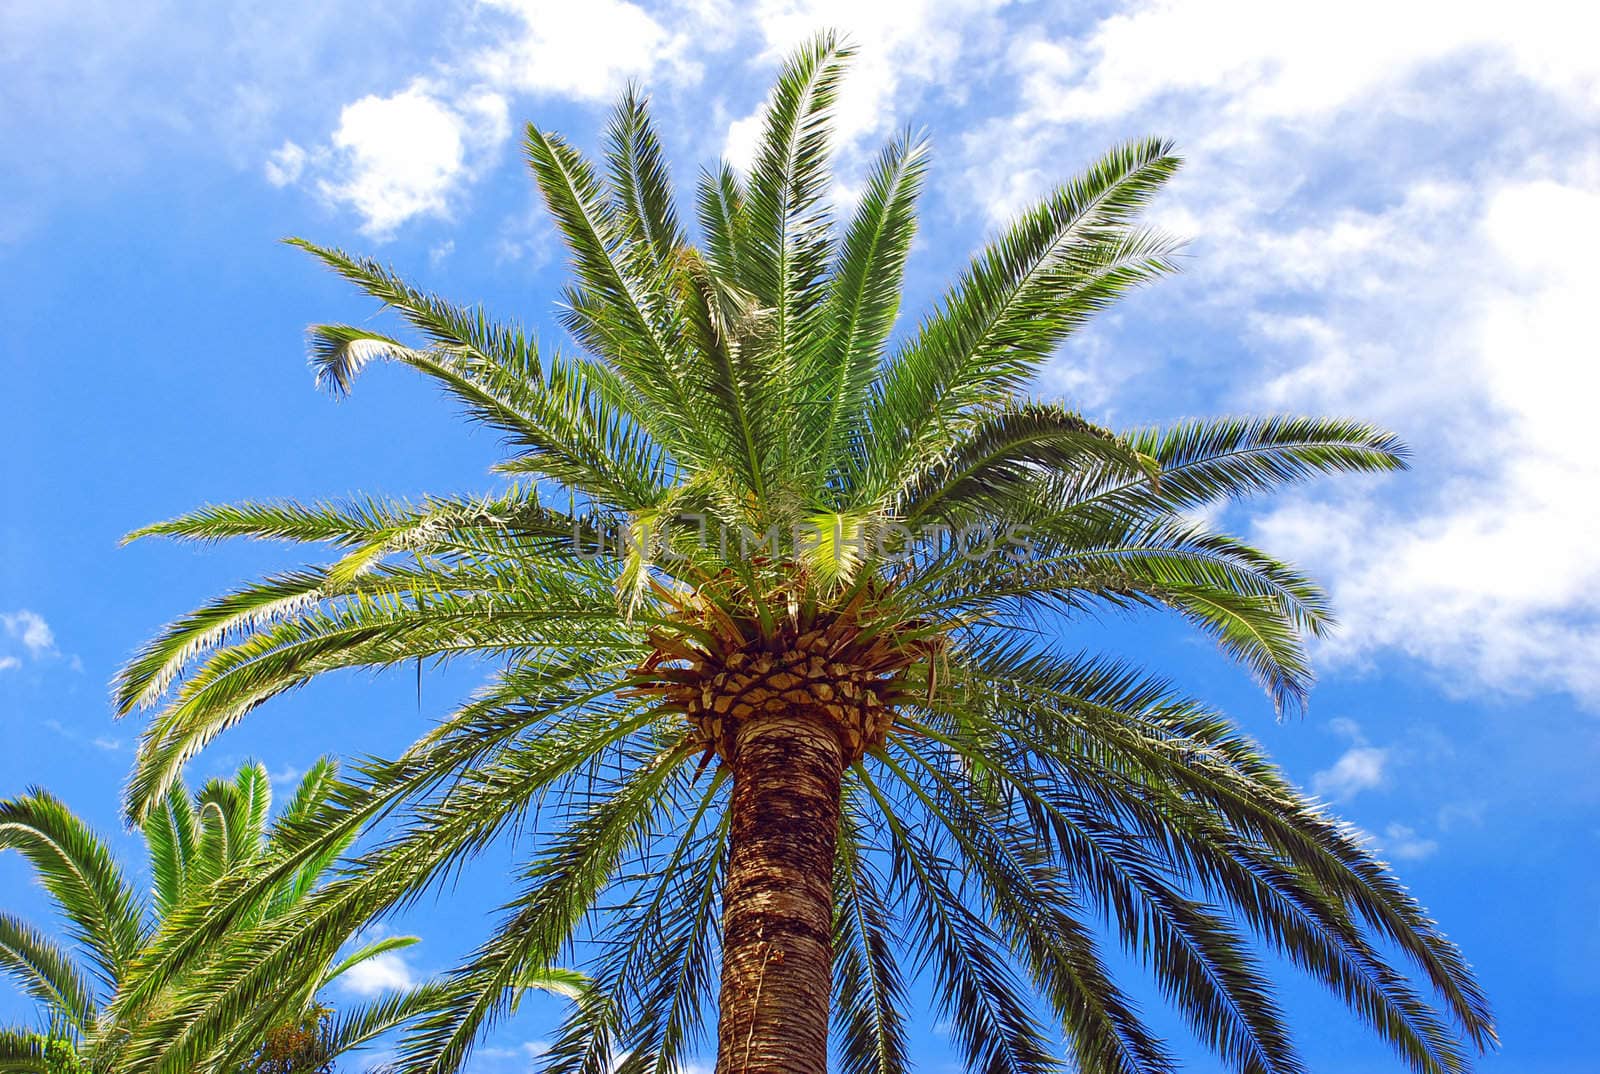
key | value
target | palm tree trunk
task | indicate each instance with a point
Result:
(777, 916)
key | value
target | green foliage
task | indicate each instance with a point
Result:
(222, 833)
(1024, 795)
(22, 1052)
(60, 1057)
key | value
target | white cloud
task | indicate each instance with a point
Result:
(528, 238)
(1375, 267)
(1403, 842)
(1358, 769)
(1266, 59)
(404, 155)
(393, 158)
(284, 776)
(587, 51)
(744, 136)
(100, 742)
(286, 164)
(1345, 727)
(31, 630)
(1494, 576)
(375, 976)
(8, 663)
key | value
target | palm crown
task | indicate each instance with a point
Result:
(193, 841)
(821, 564)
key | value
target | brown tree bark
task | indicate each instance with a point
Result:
(777, 910)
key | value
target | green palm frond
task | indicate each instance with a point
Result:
(627, 319)
(385, 625)
(1004, 452)
(1206, 462)
(666, 963)
(79, 872)
(172, 836)
(976, 983)
(573, 424)
(864, 298)
(357, 1027)
(869, 990)
(720, 210)
(643, 192)
(472, 741)
(787, 241)
(1061, 262)
(560, 887)
(39, 966)
(1247, 831)
(444, 325)
(451, 528)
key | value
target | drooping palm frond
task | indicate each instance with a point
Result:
(357, 1027)
(870, 995)
(777, 513)
(77, 869)
(1235, 804)
(38, 966)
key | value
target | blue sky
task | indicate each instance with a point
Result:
(1393, 209)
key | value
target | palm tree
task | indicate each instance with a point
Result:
(223, 829)
(776, 644)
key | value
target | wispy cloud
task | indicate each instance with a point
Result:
(527, 1050)
(1401, 841)
(1464, 814)
(1358, 769)
(388, 972)
(99, 742)
(31, 630)
(1259, 59)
